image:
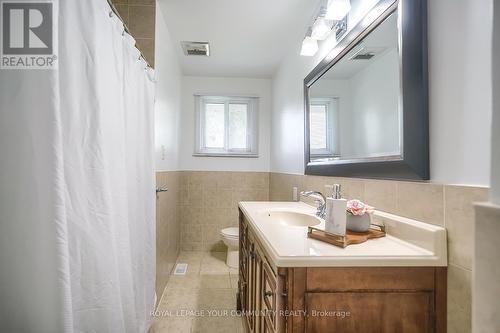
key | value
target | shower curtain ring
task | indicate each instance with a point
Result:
(110, 13)
(123, 32)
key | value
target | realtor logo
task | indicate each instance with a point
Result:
(29, 34)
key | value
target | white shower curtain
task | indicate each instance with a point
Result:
(77, 202)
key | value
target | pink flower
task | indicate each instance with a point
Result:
(356, 207)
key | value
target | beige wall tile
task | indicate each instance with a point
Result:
(223, 198)
(167, 228)
(147, 48)
(216, 216)
(191, 233)
(142, 2)
(196, 177)
(382, 195)
(421, 201)
(281, 186)
(211, 238)
(459, 221)
(123, 12)
(195, 195)
(459, 300)
(486, 275)
(139, 17)
(142, 21)
(210, 199)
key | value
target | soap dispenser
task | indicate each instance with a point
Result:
(335, 221)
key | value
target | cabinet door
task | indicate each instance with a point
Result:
(381, 312)
(267, 326)
(243, 268)
(268, 296)
(252, 286)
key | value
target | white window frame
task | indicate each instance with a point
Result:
(252, 126)
(332, 131)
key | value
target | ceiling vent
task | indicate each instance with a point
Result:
(366, 53)
(196, 48)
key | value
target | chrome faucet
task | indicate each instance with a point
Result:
(320, 200)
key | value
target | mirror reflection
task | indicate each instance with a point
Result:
(354, 108)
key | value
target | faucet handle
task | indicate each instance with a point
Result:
(317, 196)
(336, 190)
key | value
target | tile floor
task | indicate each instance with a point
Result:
(202, 300)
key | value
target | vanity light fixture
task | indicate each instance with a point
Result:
(337, 9)
(321, 28)
(309, 46)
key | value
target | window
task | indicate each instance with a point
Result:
(323, 127)
(226, 126)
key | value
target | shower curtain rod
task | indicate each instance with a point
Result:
(115, 11)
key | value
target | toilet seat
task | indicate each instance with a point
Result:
(231, 233)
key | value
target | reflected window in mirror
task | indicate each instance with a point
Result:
(324, 127)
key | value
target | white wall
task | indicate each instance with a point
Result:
(460, 90)
(168, 96)
(223, 86)
(460, 94)
(374, 124)
(495, 142)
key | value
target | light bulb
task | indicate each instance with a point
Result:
(337, 9)
(309, 47)
(321, 29)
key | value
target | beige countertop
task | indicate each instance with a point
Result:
(408, 242)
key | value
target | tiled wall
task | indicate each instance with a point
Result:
(486, 273)
(445, 205)
(208, 202)
(139, 17)
(167, 227)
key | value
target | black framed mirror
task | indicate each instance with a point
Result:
(366, 103)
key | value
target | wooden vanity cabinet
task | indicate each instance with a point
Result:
(337, 299)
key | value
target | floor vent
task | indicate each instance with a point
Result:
(181, 269)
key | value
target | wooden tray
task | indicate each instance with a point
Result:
(351, 237)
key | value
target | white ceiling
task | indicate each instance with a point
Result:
(248, 38)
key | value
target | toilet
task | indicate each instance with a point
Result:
(231, 237)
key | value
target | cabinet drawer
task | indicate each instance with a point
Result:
(370, 278)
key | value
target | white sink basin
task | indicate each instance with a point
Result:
(281, 228)
(291, 218)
